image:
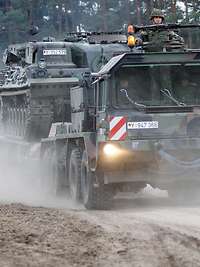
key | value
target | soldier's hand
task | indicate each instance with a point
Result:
(138, 41)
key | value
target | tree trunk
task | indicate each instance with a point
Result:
(186, 11)
(149, 8)
(103, 10)
(138, 12)
(11, 34)
(128, 11)
(173, 10)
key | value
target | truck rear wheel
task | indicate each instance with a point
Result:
(75, 174)
(95, 195)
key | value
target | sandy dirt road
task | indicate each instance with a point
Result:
(147, 231)
(141, 232)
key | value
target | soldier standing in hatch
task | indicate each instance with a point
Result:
(159, 38)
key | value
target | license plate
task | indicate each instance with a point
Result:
(142, 125)
(54, 52)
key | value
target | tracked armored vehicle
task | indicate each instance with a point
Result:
(35, 86)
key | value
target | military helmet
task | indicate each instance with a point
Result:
(157, 13)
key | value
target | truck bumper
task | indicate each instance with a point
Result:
(153, 161)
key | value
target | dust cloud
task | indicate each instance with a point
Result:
(20, 182)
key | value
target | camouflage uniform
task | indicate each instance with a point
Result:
(161, 38)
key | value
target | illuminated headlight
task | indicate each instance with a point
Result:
(111, 150)
(42, 64)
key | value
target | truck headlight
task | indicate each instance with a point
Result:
(111, 150)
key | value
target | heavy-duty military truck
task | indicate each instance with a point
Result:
(134, 122)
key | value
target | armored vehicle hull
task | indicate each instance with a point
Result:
(28, 112)
(35, 86)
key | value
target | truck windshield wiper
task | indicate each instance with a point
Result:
(136, 105)
(168, 94)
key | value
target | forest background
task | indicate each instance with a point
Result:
(57, 17)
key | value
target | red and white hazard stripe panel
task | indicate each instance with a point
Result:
(118, 130)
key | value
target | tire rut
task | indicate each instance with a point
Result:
(182, 249)
(148, 243)
(50, 237)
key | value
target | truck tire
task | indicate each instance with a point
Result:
(75, 174)
(94, 196)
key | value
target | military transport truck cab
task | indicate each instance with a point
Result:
(141, 112)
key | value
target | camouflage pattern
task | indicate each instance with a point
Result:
(158, 40)
(157, 13)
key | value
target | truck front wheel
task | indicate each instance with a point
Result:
(95, 195)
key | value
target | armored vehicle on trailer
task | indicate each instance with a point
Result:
(136, 121)
(35, 85)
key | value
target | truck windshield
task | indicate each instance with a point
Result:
(145, 84)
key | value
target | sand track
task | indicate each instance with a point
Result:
(140, 234)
